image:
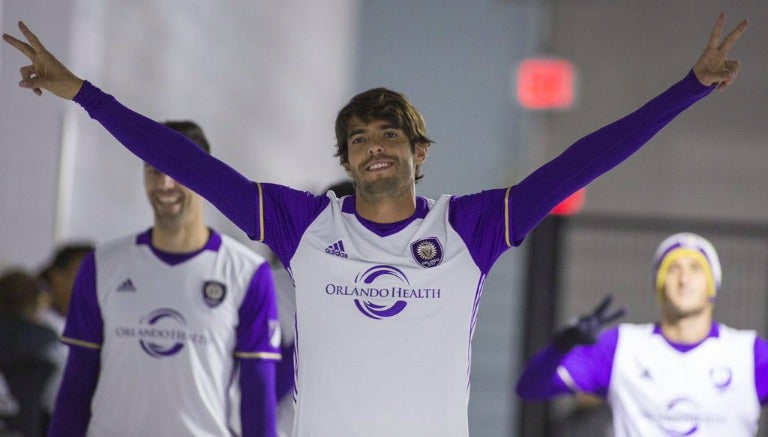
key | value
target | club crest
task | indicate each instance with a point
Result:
(214, 293)
(428, 252)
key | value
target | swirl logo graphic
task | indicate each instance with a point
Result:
(681, 419)
(721, 377)
(375, 310)
(170, 337)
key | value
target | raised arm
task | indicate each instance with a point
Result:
(168, 151)
(597, 153)
(545, 375)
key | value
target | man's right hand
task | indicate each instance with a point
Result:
(45, 72)
(586, 328)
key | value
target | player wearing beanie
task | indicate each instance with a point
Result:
(684, 375)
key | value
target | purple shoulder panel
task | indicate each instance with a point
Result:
(257, 315)
(287, 213)
(590, 366)
(479, 221)
(84, 323)
(761, 370)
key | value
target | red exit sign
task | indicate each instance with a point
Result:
(545, 83)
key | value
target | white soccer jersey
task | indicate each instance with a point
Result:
(169, 336)
(656, 390)
(383, 348)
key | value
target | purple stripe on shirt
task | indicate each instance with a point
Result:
(171, 258)
(386, 229)
(714, 332)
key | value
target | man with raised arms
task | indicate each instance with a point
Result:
(387, 365)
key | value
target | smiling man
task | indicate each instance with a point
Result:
(387, 282)
(684, 375)
(159, 323)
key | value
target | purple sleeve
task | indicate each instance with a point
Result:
(287, 214)
(258, 404)
(175, 155)
(588, 158)
(258, 329)
(479, 220)
(590, 366)
(285, 379)
(268, 213)
(492, 221)
(539, 380)
(73, 403)
(84, 326)
(761, 370)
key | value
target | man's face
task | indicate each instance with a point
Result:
(685, 288)
(171, 201)
(380, 157)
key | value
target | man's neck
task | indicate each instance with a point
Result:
(180, 238)
(690, 329)
(386, 208)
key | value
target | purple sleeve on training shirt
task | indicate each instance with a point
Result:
(761, 370)
(175, 155)
(84, 322)
(258, 403)
(539, 380)
(479, 221)
(258, 315)
(590, 366)
(72, 411)
(287, 214)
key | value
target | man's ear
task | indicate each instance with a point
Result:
(346, 168)
(420, 152)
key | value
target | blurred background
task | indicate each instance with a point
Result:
(265, 80)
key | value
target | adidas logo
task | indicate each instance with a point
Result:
(126, 285)
(336, 249)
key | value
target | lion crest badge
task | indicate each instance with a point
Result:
(428, 252)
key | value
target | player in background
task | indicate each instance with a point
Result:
(158, 321)
(683, 375)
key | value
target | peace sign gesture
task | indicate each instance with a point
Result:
(712, 66)
(45, 72)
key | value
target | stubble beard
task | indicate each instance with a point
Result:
(385, 187)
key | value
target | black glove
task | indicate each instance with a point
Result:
(587, 327)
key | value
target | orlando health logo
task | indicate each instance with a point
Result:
(157, 350)
(161, 333)
(377, 311)
(375, 295)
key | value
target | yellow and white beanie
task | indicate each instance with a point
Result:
(692, 245)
